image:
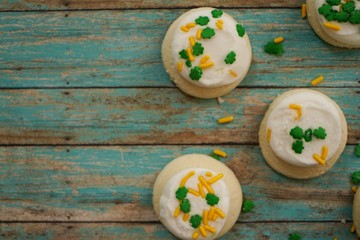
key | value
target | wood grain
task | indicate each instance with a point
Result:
(115, 184)
(122, 49)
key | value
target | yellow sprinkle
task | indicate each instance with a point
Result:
(216, 178)
(204, 59)
(190, 25)
(303, 10)
(205, 217)
(278, 40)
(226, 119)
(317, 80)
(198, 34)
(296, 107)
(185, 29)
(219, 24)
(193, 192)
(208, 174)
(189, 52)
(211, 212)
(214, 217)
(187, 176)
(318, 159)
(324, 152)
(268, 135)
(205, 184)
(202, 231)
(232, 73)
(335, 238)
(352, 229)
(210, 228)
(195, 235)
(177, 211)
(192, 41)
(206, 65)
(201, 190)
(180, 65)
(220, 153)
(354, 189)
(185, 217)
(332, 26)
(219, 212)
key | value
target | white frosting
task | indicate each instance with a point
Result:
(224, 41)
(317, 111)
(169, 202)
(349, 33)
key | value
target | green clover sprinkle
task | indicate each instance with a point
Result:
(349, 7)
(215, 156)
(188, 63)
(295, 236)
(357, 150)
(230, 58)
(331, 16)
(185, 206)
(320, 133)
(198, 49)
(216, 13)
(195, 221)
(195, 73)
(207, 33)
(355, 17)
(274, 48)
(212, 199)
(355, 177)
(248, 205)
(240, 29)
(297, 133)
(308, 135)
(333, 2)
(181, 193)
(202, 21)
(183, 54)
(342, 16)
(298, 146)
(325, 9)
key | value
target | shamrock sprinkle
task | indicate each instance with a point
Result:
(325, 9)
(308, 135)
(331, 16)
(212, 199)
(181, 193)
(297, 133)
(342, 16)
(274, 48)
(198, 49)
(202, 21)
(188, 63)
(195, 221)
(247, 206)
(295, 236)
(355, 17)
(216, 13)
(195, 73)
(333, 2)
(349, 7)
(230, 58)
(240, 29)
(357, 150)
(183, 54)
(185, 206)
(298, 146)
(355, 177)
(207, 33)
(320, 133)
(215, 156)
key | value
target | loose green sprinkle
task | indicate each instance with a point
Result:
(325, 9)
(185, 206)
(181, 193)
(308, 135)
(198, 49)
(202, 21)
(274, 48)
(216, 13)
(348, 7)
(342, 16)
(297, 133)
(240, 29)
(215, 156)
(295, 236)
(188, 63)
(230, 58)
(248, 205)
(357, 150)
(207, 33)
(355, 177)
(355, 17)
(298, 146)
(195, 221)
(333, 2)
(183, 54)
(195, 73)
(320, 133)
(212, 199)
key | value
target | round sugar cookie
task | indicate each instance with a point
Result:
(196, 196)
(356, 211)
(220, 53)
(341, 14)
(298, 125)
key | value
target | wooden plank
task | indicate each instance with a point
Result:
(15, 5)
(115, 184)
(143, 116)
(122, 49)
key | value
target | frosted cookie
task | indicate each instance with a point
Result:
(303, 133)
(206, 53)
(336, 21)
(197, 197)
(356, 212)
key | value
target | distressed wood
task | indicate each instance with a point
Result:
(115, 184)
(122, 49)
(144, 116)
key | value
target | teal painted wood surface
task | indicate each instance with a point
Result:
(122, 49)
(144, 116)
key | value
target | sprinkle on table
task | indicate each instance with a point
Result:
(220, 153)
(295, 236)
(355, 177)
(354, 189)
(274, 48)
(213, 155)
(352, 229)
(225, 119)
(303, 10)
(248, 205)
(278, 40)
(332, 26)
(357, 150)
(317, 80)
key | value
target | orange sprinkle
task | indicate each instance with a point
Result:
(198, 34)
(184, 29)
(193, 192)
(211, 212)
(201, 190)
(298, 108)
(205, 184)
(192, 41)
(177, 211)
(226, 119)
(220, 153)
(195, 235)
(219, 24)
(354, 189)
(268, 135)
(303, 10)
(189, 52)
(185, 217)
(180, 65)
(219, 212)
(190, 25)
(317, 80)
(318, 159)
(352, 229)
(214, 217)
(210, 229)
(202, 231)
(332, 26)
(324, 152)
(204, 59)
(206, 65)
(187, 176)
(205, 217)
(278, 40)
(208, 174)
(232, 73)
(216, 178)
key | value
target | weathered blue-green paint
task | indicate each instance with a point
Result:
(122, 49)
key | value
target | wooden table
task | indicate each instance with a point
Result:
(88, 118)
